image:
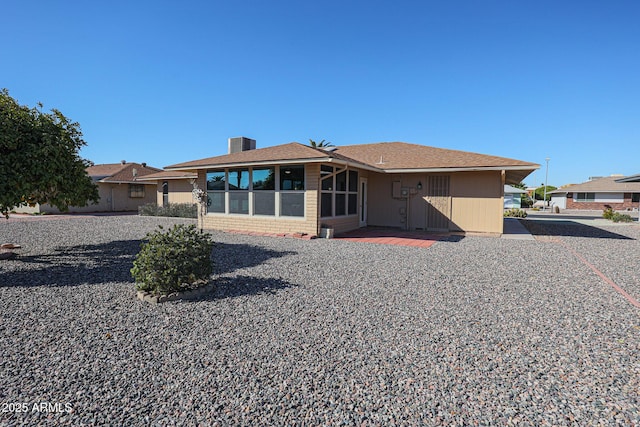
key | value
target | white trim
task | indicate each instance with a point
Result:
(459, 169)
(165, 178)
(126, 182)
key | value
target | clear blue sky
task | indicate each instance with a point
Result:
(165, 82)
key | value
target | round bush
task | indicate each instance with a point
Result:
(173, 261)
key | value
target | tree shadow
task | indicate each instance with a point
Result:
(568, 228)
(111, 262)
(228, 257)
(233, 287)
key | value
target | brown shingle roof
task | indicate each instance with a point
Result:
(168, 175)
(382, 157)
(287, 152)
(401, 155)
(104, 170)
(601, 185)
(118, 172)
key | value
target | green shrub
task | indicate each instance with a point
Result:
(608, 213)
(182, 210)
(515, 213)
(618, 217)
(614, 216)
(173, 261)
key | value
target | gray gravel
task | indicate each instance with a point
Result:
(472, 331)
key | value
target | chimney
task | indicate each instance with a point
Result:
(241, 143)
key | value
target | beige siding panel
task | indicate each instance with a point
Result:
(179, 191)
(476, 204)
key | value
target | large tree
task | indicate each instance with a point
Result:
(39, 158)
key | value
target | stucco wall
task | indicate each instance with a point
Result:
(180, 191)
(476, 201)
(113, 197)
(383, 209)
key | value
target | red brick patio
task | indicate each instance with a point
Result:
(419, 239)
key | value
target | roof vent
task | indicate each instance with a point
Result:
(144, 165)
(123, 162)
(241, 143)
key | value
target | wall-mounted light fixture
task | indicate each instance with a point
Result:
(419, 185)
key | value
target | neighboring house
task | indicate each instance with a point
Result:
(119, 187)
(513, 197)
(599, 194)
(172, 186)
(296, 188)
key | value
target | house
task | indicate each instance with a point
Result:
(172, 186)
(513, 197)
(599, 193)
(293, 188)
(119, 187)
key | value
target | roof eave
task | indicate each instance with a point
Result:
(167, 178)
(269, 163)
(463, 169)
(124, 182)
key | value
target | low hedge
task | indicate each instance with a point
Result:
(182, 210)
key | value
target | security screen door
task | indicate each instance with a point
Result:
(439, 203)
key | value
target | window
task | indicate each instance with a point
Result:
(326, 204)
(216, 185)
(238, 183)
(292, 178)
(238, 179)
(585, 197)
(239, 202)
(165, 193)
(292, 190)
(635, 197)
(292, 204)
(255, 191)
(136, 191)
(216, 181)
(264, 196)
(339, 192)
(264, 179)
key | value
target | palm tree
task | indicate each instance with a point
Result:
(320, 144)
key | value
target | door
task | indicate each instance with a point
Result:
(165, 194)
(362, 202)
(439, 203)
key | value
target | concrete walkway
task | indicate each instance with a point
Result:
(513, 229)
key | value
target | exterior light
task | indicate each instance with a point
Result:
(419, 185)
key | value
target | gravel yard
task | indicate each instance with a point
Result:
(472, 331)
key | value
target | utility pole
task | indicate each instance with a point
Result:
(546, 180)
